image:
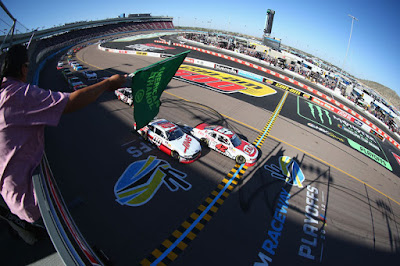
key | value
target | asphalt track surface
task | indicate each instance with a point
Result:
(346, 212)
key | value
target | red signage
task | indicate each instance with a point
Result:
(397, 157)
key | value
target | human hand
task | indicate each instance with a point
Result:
(116, 81)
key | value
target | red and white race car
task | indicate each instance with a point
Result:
(125, 95)
(226, 142)
(170, 139)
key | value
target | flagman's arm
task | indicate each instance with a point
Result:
(82, 97)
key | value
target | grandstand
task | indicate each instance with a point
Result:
(113, 25)
(45, 41)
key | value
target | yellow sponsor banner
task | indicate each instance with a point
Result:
(250, 87)
(141, 53)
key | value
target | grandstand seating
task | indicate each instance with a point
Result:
(42, 47)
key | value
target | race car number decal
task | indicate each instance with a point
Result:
(167, 125)
(157, 141)
(248, 149)
(221, 148)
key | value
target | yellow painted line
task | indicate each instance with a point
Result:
(309, 154)
(340, 170)
(80, 59)
(255, 129)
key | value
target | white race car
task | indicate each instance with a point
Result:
(226, 142)
(170, 139)
(125, 95)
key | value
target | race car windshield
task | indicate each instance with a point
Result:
(210, 127)
(236, 141)
(175, 134)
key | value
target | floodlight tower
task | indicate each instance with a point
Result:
(348, 45)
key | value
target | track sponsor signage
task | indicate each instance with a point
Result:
(143, 36)
(287, 88)
(281, 244)
(327, 122)
(166, 55)
(374, 129)
(151, 47)
(356, 132)
(347, 116)
(397, 157)
(288, 170)
(222, 82)
(226, 69)
(270, 245)
(312, 241)
(142, 179)
(250, 75)
(199, 62)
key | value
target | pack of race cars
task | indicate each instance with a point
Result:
(182, 142)
(73, 81)
(186, 148)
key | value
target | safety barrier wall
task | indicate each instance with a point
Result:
(327, 101)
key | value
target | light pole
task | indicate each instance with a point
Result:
(348, 45)
(33, 33)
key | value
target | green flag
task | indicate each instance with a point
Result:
(148, 84)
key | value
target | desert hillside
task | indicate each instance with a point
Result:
(390, 95)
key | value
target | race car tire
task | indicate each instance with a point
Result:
(144, 135)
(175, 155)
(240, 159)
(204, 141)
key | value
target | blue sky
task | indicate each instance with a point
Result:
(321, 28)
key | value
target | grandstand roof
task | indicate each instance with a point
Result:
(24, 37)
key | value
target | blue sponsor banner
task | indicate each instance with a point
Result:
(250, 75)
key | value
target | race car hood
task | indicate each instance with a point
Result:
(248, 149)
(186, 145)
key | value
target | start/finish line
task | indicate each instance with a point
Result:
(168, 251)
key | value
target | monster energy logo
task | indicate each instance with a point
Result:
(320, 112)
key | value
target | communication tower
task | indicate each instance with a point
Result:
(267, 39)
(269, 19)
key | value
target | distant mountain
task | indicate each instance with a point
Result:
(390, 95)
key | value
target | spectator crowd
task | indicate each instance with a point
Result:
(242, 46)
